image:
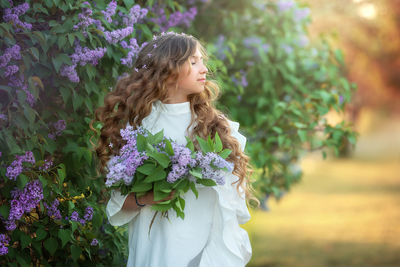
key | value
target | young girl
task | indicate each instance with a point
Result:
(168, 90)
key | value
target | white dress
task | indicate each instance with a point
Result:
(209, 236)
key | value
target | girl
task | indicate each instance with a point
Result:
(168, 90)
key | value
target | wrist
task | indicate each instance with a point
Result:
(137, 202)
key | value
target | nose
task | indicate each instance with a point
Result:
(204, 69)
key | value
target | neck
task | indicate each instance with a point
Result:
(175, 100)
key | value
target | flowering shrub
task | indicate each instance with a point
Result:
(271, 71)
(58, 59)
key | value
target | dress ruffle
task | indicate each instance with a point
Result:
(117, 216)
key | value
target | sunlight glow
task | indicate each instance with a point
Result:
(367, 11)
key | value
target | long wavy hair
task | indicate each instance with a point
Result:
(131, 101)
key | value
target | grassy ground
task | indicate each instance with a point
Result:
(344, 213)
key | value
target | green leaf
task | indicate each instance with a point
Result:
(189, 144)
(40, 234)
(159, 195)
(4, 210)
(75, 252)
(65, 236)
(206, 182)
(158, 174)
(196, 173)
(161, 207)
(168, 148)
(302, 134)
(22, 180)
(203, 145)
(225, 153)
(61, 173)
(51, 245)
(59, 60)
(194, 189)
(161, 158)
(141, 143)
(218, 143)
(158, 137)
(146, 168)
(25, 240)
(140, 186)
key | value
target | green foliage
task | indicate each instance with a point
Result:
(277, 84)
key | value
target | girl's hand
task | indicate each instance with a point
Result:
(148, 198)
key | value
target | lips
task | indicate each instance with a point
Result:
(202, 80)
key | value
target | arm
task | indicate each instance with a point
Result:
(147, 199)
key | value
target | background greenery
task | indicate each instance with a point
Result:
(275, 82)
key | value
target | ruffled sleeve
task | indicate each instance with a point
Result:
(231, 210)
(116, 216)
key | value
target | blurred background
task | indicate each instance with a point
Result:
(345, 210)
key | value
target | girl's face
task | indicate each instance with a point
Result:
(192, 79)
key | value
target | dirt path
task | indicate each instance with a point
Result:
(344, 213)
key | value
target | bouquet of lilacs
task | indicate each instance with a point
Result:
(155, 163)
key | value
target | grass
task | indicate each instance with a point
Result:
(343, 213)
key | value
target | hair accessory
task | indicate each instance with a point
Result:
(137, 203)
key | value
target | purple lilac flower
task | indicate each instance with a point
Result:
(175, 19)
(86, 55)
(13, 14)
(4, 241)
(242, 81)
(182, 161)
(47, 165)
(123, 166)
(53, 211)
(341, 99)
(288, 49)
(74, 216)
(24, 201)
(10, 53)
(10, 70)
(285, 5)
(17, 81)
(209, 162)
(88, 214)
(70, 72)
(3, 117)
(254, 42)
(136, 13)
(221, 47)
(301, 14)
(302, 41)
(86, 20)
(94, 242)
(117, 35)
(134, 50)
(16, 167)
(110, 11)
(57, 129)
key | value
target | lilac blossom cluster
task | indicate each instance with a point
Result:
(56, 129)
(23, 201)
(52, 210)
(85, 20)
(13, 14)
(182, 162)
(175, 19)
(3, 117)
(123, 167)
(209, 163)
(136, 13)
(285, 5)
(17, 81)
(110, 11)
(221, 47)
(115, 36)
(94, 242)
(86, 217)
(4, 242)
(47, 165)
(16, 167)
(133, 51)
(81, 56)
(242, 80)
(255, 43)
